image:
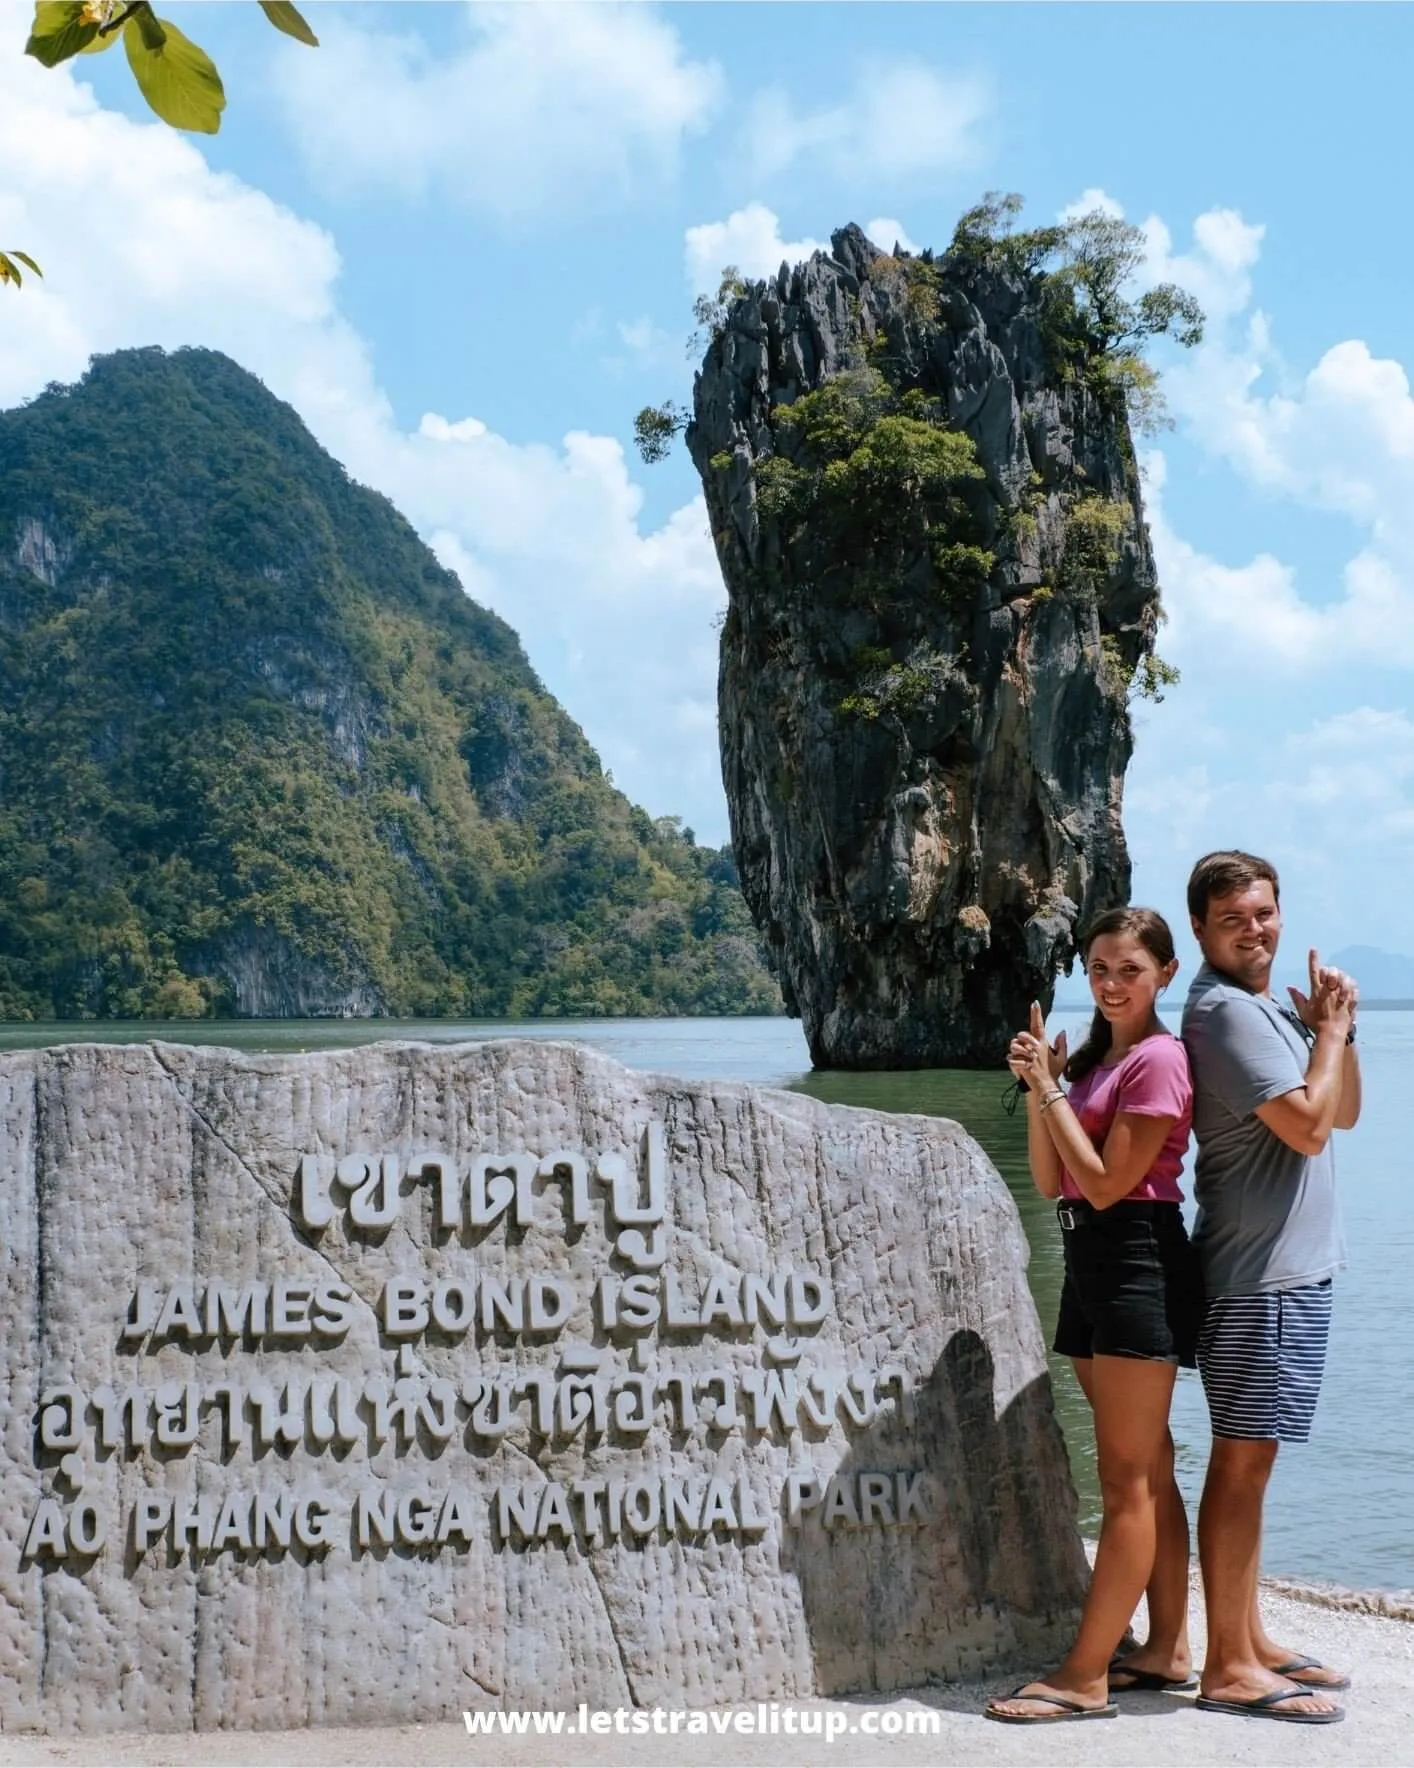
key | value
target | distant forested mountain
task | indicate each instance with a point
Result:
(259, 753)
(1383, 976)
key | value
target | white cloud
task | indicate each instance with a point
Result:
(542, 108)
(750, 239)
(903, 120)
(1239, 619)
(615, 619)
(437, 428)
(1182, 799)
(886, 233)
(1359, 767)
(1226, 617)
(451, 551)
(142, 243)
(1218, 268)
(1329, 798)
(1341, 440)
(649, 345)
(1274, 739)
(1091, 201)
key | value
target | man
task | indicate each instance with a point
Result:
(1270, 1084)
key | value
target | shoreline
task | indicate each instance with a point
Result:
(1391, 1605)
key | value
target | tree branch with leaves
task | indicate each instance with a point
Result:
(177, 78)
(10, 266)
(1095, 325)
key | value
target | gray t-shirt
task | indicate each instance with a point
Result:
(1268, 1217)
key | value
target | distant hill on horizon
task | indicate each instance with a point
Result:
(1382, 975)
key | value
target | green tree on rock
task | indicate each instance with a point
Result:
(1097, 326)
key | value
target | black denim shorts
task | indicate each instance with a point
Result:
(1133, 1287)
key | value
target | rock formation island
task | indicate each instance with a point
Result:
(926, 504)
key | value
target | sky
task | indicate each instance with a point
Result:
(463, 241)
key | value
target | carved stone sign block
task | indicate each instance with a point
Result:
(371, 1386)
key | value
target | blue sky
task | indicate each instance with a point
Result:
(463, 241)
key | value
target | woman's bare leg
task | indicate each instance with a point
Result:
(1131, 1397)
(1166, 1651)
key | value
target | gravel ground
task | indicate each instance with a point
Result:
(1376, 1647)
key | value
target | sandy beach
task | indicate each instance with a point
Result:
(1371, 1636)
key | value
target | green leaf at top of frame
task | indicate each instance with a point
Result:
(178, 80)
(104, 40)
(10, 271)
(150, 28)
(61, 29)
(290, 20)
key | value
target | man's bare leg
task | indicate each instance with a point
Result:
(1273, 1655)
(1229, 1543)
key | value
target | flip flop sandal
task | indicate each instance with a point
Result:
(1268, 1706)
(1292, 1672)
(1072, 1709)
(1149, 1681)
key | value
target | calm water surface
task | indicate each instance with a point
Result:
(1340, 1508)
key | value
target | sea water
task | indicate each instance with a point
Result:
(1340, 1508)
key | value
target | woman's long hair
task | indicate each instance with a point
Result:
(1152, 931)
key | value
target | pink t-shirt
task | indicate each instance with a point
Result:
(1151, 1080)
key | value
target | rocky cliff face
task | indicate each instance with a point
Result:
(941, 590)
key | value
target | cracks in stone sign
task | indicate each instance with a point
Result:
(40, 1140)
(245, 1167)
(818, 1190)
(198, 1615)
(757, 1139)
(612, 1626)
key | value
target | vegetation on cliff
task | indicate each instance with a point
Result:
(867, 476)
(1094, 324)
(259, 751)
(921, 479)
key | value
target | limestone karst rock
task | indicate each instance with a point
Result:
(929, 645)
(283, 1442)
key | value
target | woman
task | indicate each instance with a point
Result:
(1110, 1150)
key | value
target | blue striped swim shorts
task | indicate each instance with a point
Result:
(1261, 1358)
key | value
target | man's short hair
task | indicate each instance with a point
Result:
(1219, 874)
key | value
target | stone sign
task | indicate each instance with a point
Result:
(377, 1385)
